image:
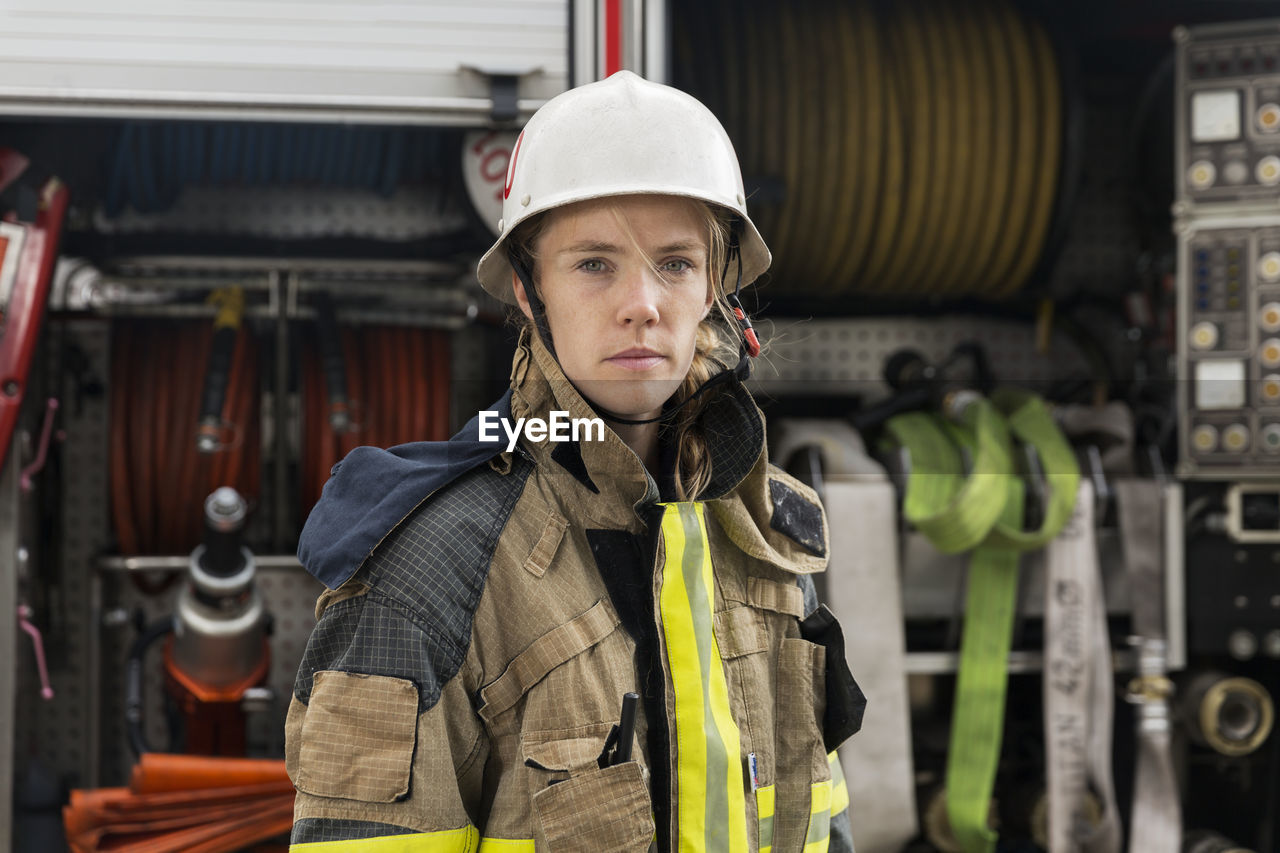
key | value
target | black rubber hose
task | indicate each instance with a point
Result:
(333, 363)
(133, 684)
(216, 380)
(910, 400)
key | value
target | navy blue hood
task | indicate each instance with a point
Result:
(372, 490)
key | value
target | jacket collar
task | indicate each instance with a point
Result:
(606, 478)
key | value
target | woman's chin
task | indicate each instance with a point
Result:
(629, 408)
(603, 394)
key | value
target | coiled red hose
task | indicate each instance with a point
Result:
(158, 480)
(398, 388)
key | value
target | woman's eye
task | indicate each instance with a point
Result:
(677, 265)
(592, 265)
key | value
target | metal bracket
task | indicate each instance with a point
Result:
(504, 90)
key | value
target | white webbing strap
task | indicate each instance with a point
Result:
(864, 590)
(1157, 814)
(1078, 691)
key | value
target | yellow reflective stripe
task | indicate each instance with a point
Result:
(462, 840)
(506, 845)
(839, 790)
(710, 802)
(764, 811)
(819, 834)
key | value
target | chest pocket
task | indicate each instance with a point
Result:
(778, 696)
(595, 808)
(561, 696)
(751, 637)
(543, 660)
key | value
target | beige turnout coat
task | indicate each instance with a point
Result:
(462, 683)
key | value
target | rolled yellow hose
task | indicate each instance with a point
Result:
(918, 146)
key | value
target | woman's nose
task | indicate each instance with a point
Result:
(639, 305)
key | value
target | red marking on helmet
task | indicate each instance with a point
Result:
(511, 167)
(612, 37)
(753, 343)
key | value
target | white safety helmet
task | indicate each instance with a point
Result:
(620, 136)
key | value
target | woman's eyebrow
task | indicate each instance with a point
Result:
(590, 246)
(681, 247)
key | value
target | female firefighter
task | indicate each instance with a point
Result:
(492, 599)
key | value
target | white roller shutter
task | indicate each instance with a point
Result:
(325, 60)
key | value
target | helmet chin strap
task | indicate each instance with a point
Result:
(748, 349)
(535, 301)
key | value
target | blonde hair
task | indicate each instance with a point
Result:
(714, 348)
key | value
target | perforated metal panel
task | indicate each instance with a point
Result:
(297, 213)
(847, 356)
(63, 734)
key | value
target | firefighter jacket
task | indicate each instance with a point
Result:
(487, 610)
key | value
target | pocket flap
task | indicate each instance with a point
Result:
(568, 750)
(739, 632)
(767, 594)
(603, 809)
(358, 737)
(545, 654)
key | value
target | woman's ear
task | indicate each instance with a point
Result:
(522, 299)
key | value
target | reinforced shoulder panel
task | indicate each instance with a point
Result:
(796, 514)
(424, 581)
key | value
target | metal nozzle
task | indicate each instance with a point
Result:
(224, 517)
(225, 510)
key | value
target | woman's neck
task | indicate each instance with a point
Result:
(643, 439)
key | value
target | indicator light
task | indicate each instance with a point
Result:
(1235, 438)
(1202, 174)
(1268, 170)
(1204, 335)
(1269, 266)
(1269, 353)
(1268, 118)
(1204, 438)
(1271, 388)
(1269, 316)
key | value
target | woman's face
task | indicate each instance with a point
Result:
(625, 284)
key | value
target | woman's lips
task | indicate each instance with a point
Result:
(636, 359)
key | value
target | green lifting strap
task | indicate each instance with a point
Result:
(982, 513)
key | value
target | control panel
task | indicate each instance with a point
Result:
(1228, 227)
(1229, 350)
(1229, 113)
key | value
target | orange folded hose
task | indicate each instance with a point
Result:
(184, 803)
(160, 771)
